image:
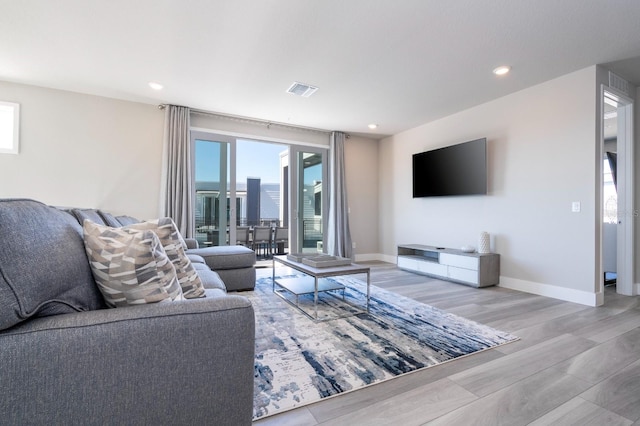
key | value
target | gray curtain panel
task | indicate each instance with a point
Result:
(338, 233)
(178, 191)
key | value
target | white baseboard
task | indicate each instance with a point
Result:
(555, 292)
(389, 258)
(368, 257)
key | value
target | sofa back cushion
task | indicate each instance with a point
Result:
(98, 216)
(43, 265)
(126, 220)
(109, 219)
(92, 214)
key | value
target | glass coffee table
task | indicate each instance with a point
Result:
(313, 283)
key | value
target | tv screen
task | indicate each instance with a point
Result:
(453, 170)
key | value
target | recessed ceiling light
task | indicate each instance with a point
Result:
(502, 70)
(155, 86)
(373, 126)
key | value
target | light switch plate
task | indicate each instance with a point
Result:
(575, 206)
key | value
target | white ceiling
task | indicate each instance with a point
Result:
(395, 63)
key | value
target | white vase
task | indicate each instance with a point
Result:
(484, 245)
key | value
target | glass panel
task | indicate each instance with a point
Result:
(261, 186)
(212, 193)
(259, 182)
(311, 201)
(242, 184)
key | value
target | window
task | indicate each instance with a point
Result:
(269, 183)
(9, 126)
(256, 186)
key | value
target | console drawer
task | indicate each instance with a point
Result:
(432, 268)
(407, 263)
(461, 274)
(467, 262)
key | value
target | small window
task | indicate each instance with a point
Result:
(9, 126)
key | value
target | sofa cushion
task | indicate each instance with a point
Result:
(109, 219)
(91, 214)
(226, 257)
(174, 246)
(200, 266)
(239, 279)
(194, 258)
(126, 220)
(211, 279)
(130, 267)
(43, 265)
(192, 243)
(215, 292)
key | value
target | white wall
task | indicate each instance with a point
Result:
(361, 170)
(84, 151)
(542, 143)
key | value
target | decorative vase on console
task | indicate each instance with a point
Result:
(483, 243)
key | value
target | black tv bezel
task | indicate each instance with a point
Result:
(484, 162)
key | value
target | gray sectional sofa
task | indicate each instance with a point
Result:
(67, 359)
(234, 264)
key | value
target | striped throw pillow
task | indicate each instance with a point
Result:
(130, 268)
(174, 245)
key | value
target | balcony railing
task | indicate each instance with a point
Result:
(311, 232)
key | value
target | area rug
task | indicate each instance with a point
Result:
(300, 361)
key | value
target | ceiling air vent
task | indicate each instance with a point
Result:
(302, 89)
(619, 83)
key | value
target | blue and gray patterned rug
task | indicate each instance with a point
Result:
(300, 361)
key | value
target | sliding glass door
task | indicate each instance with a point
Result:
(213, 196)
(309, 197)
(242, 184)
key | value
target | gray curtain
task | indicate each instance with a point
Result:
(178, 190)
(338, 233)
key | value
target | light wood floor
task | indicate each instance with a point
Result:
(574, 365)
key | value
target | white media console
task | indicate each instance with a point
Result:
(474, 269)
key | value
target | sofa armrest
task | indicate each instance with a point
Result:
(192, 243)
(188, 362)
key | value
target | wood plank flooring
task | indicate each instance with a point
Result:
(574, 365)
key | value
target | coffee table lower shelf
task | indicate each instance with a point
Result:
(305, 285)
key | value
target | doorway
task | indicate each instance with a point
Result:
(617, 212)
(308, 174)
(244, 185)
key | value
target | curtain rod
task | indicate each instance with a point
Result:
(266, 123)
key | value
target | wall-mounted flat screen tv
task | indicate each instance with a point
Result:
(453, 170)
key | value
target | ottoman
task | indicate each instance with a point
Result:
(234, 264)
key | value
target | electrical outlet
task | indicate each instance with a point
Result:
(353, 244)
(575, 206)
